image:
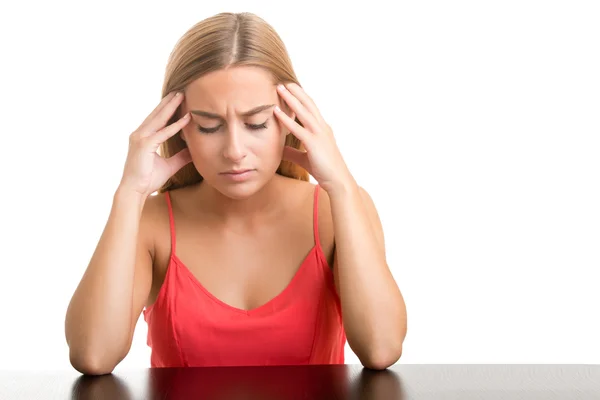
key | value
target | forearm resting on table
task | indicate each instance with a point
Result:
(373, 309)
(98, 319)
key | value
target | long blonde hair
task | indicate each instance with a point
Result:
(221, 41)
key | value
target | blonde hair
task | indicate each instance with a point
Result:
(218, 42)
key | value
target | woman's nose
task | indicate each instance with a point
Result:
(234, 148)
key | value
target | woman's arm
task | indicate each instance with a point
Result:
(373, 309)
(107, 303)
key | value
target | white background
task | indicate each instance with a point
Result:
(473, 125)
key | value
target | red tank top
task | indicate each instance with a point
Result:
(189, 327)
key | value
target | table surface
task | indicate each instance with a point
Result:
(350, 381)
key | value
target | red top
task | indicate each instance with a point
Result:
(189, 327)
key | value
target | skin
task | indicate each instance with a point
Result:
(234, 146)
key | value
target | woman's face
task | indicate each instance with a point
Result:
(222, 138)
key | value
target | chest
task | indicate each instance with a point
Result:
(243, 271)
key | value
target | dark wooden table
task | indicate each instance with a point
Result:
(401, 381)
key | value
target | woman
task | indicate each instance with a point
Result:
(239, 259)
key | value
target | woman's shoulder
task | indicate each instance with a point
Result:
(310, 189)
(299, 192)
(307, 191)
(154, 206)
(297, 186)
(154, 219)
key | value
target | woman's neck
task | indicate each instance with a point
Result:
(262, 206)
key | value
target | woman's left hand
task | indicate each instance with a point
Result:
(322, 158)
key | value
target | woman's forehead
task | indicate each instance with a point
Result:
(244, 91)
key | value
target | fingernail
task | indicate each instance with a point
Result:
(281, 87)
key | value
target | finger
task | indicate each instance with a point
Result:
(298, 131)
(296, 156)
(164, 114)
(305, 99)
(179, 160)
(303, 114)
(165, 133)
(159, 107)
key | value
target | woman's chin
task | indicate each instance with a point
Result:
(242, 186)
(238, 190)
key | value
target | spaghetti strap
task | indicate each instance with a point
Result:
(316, 216)
(171, 222)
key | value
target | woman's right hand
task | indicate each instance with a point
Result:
(145, 170)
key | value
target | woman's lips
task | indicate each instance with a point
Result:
(238, 175)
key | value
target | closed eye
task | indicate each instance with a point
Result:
(216, 128)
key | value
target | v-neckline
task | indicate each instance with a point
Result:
(176, 260)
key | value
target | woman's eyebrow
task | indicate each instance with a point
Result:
(248, 113)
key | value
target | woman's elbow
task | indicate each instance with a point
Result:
(90, 365)
(382, 359)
